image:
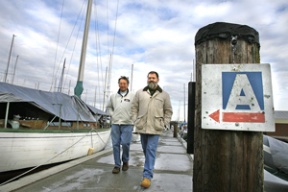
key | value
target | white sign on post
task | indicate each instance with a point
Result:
(237, 97)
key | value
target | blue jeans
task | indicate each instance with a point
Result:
(121, 135)
(149, 146)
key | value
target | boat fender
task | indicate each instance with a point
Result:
(90, 151)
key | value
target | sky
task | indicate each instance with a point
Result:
(150, 35)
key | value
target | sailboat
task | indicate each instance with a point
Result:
(42, 127)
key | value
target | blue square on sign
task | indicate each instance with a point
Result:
(240, 88)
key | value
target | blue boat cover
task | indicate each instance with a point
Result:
(72, 107)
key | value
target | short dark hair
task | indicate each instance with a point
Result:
(153, 72)
(124, 78)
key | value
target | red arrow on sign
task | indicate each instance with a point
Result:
(238, 117)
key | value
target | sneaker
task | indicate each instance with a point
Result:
(146, 183)
(125, 166)
(116, 170)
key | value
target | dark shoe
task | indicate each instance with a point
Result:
(125, 166)
(116, 170)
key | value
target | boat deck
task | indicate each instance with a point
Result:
(173, 172)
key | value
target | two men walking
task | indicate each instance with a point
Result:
(151, 112)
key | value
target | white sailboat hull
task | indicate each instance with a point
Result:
(23, 150)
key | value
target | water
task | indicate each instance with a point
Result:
(5, 176)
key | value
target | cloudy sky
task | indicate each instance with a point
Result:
(152, 35)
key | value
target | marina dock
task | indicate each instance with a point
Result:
(173, 172)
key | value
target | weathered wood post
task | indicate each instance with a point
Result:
(175, 128)
(226, 160)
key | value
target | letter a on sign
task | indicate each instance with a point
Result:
(237, 97)
(242, 96)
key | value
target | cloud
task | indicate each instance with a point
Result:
(152, 35)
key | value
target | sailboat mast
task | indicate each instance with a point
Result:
(109, 76)
(105, 89)
(79, 86)
(131, 81)
(14, 72)
(95, 96)
(60, 86)
(9, 58)
(184, 103)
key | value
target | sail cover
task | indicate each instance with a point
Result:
(68, 108)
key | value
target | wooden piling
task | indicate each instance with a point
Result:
(191, 117)
(175, 128)
(226, 161)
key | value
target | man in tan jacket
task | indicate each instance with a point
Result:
(151, 111)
